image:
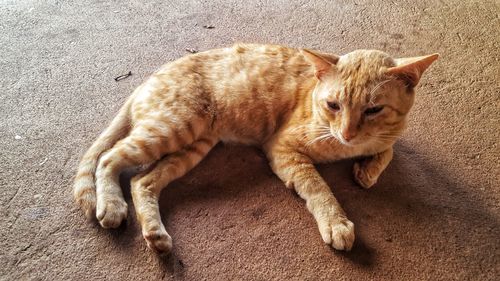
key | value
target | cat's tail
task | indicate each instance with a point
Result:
(84, 187)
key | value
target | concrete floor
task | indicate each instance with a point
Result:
(434, 215)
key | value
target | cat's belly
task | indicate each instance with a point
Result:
(251, 135)
(252, 127)
(239, 139)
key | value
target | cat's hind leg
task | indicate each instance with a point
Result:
(146, 188)
(146, 143)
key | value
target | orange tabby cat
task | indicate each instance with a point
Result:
(301, 107)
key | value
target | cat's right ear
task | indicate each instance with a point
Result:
(323, 63)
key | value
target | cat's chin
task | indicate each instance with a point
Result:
(349, 144)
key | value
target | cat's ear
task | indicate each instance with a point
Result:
(323, 63)
(411, 69)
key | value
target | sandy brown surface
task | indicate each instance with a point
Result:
(434, 215)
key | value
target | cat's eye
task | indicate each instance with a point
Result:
(374, 110)
(333, 106)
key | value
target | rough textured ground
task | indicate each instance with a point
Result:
(434, 215)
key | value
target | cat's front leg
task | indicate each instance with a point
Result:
(298, 172)
(367, 171)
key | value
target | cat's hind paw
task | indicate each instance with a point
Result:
(338, 232)
(111, 213)
(87, 202)
(362, 177)
(158, 241)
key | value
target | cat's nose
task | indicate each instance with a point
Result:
(348, 135)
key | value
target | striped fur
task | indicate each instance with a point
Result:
(84, 189)
(146, 188)
(276, 97)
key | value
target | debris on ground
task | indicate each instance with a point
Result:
(191, 50)
(209, 26)
(43, 162)
(121, 77)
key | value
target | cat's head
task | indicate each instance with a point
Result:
(365, 96)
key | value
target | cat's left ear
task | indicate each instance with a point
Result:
(411, 69)
(323, 63)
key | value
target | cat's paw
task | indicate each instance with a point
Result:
(362, 176)
(111, 212)
(87, 202)
(158, 241)
(337, 231)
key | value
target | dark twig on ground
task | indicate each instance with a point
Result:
(121, 77)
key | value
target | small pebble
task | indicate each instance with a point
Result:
(18, 137)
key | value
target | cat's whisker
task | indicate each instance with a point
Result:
(309, 128)
(380, 84)
(296, 128)
(320, 138)
(382, 138)
(374, 89)
(397, 134)
(314, 131)
(317, 131)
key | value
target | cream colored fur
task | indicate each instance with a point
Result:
(302, 107)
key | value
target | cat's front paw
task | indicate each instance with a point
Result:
(337, 231)
(111, 212)
(158, 241)
(362, 175)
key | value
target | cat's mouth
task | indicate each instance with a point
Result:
(343, 141)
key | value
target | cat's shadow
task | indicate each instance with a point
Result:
(417, 206)
(410, 205)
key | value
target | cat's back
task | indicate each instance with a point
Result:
(246, 83)
(239, 65)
